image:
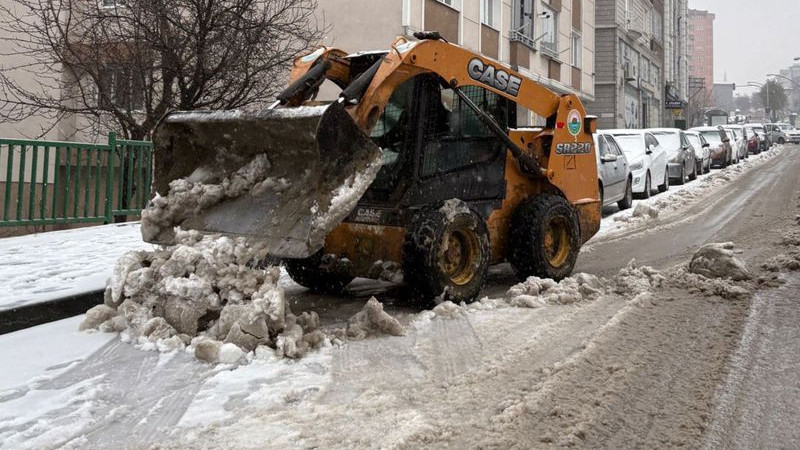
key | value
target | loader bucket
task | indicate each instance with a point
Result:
(320, 160)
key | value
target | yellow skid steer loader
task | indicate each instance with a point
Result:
(418, 168)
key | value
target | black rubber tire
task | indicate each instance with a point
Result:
(781, 141)
(424, 255)
(308, 273)
(527, 234)
(682, 178)
(693, 175)
(665, 187)
(627, 201)
(726, 162)
(648, 188)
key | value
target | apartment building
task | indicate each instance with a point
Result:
(630, 63)
(551, 41)
(701, 48)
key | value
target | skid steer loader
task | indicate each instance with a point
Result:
(419, 168)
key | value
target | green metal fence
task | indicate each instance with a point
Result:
(49, 182)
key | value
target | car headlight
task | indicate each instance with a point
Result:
(676, 159)
(639, 165)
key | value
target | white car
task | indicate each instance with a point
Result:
(738, 141)
(792, 134)
(616, 182)
(647, 160)
(702, 152)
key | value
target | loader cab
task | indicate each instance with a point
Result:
(434, 145)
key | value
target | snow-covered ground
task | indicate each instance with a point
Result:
(46, 266)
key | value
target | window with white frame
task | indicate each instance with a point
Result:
(522, 25)
(549, 36)
(452, 3)
(576, 49)
(490, 12)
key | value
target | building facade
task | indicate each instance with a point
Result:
(701, 47)
(629, 86)
(676, 62)
(551, 41)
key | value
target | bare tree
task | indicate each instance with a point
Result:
(122, 64)
(773, 97)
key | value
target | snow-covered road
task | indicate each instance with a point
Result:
(619, 371)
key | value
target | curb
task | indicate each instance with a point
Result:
(16, 319)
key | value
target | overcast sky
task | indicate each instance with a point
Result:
(752, 37)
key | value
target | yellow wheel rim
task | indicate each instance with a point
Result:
(557, 242)
(459, 258)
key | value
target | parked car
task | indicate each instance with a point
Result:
(739, 141)
(792, 134)
(760, 137)
(647, 160)
(701, 151)
(720, 145)
(776, 134)
(681, 161)
(616, 181)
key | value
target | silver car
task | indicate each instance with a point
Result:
(681, 160)
(616, 182)
(702, 150)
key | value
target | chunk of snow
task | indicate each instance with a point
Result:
(718, 261)
(373, 320)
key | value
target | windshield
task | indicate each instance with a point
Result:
(712, 136)
(668, 140)
(786, 127)
(694, 140)
(631, 144)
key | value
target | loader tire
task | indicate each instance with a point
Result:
(446, 255)
(308, 273)
(544, 238)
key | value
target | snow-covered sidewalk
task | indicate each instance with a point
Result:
(47, 266)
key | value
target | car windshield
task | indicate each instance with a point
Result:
(786, 127)
(630, 143)
(711, 136)
(694, 140)
(667, 139)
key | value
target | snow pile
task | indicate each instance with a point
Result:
(373, 320)
(632, 280)
(204, 294)
(189, 196)
(537, 292)
(644, 210)
(789, 260)
(718, 261)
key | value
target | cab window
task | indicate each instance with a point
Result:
(454, 138)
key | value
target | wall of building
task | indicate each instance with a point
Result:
(32, 127)
(629, 82)
(701, 46)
